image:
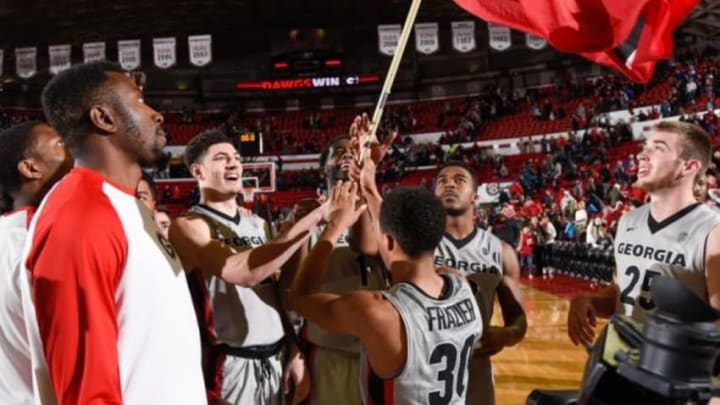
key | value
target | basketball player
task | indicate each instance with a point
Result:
(163, 220)
(242, 325)
(334, 359)
(488, 263)
(146, 191)
(416, 337)
(114, 319)
(32, 158)
(673, 235)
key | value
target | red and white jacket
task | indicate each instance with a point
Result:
(114, 319)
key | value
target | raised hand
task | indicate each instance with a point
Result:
(360, 138)
(342, 204)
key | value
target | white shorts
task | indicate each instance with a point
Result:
(252, 381)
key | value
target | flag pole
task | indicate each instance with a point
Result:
(390, 78)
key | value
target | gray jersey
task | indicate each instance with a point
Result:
(479, 258)
(440, 335)
(347, 272)
(674, 248)
(240, 316)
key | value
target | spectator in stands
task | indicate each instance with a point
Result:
(548, 200)
(550, 234)
(614, 195)
(505, 226)
(570, 231)
(503, 171)
(581, 218)
(526, 246)
(568, 204)
(604, 239)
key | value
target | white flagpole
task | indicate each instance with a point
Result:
(390, 78)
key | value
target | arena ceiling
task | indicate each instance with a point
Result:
(704, 22)
(37, 22)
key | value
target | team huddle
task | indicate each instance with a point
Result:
(101, 302)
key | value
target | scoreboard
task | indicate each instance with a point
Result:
(250, 144)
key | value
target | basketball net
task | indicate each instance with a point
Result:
(248, 195)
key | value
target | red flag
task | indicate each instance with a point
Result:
(629, 36)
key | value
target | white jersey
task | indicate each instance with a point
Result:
(16, 384)
(479, 258)
(347, 272)
(440, 335)
(674, 248)
(114, 318)
(240, 316)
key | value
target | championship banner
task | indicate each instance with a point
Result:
(388, 37)
(426, 38)
(200, 49)
(488, 193)
(2, 54)
(93, 51)
(164, 52)
(535, 42)
(59, 58)
(463, 36)
(26, 62)
(129, 54)
(500, 38)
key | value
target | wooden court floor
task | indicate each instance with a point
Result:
(546, 358)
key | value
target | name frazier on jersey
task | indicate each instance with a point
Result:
(648, 252)
(452, 316)
(465, 266)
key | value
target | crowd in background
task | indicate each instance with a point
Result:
(572, 187)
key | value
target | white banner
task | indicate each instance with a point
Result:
(463, 36)
(26, 62)
(426, 38)
(535, 42)
(2, 54)
(164, 52)
(388, 38)
(200, 49)
(500, 38)
(129, 54)
(93, 51)
(488, 193)
(59, 58)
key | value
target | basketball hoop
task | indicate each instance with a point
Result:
(248, 195)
